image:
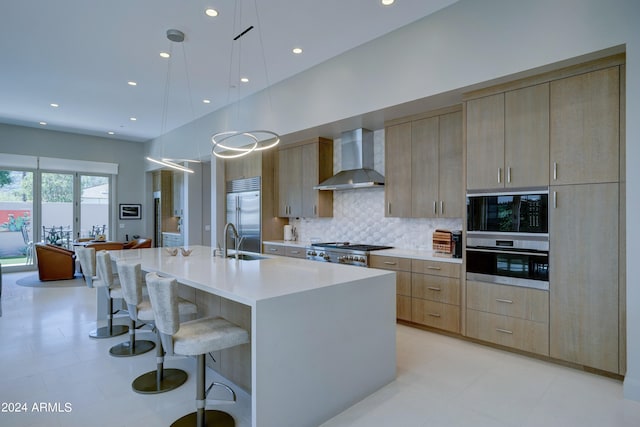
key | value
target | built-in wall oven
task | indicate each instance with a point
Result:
(508, 238)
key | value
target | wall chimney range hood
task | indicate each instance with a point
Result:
(357, 163)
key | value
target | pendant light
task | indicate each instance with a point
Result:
(175, 36)
(237, 143)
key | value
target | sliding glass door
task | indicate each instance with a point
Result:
(94, 206)
(57, 216)
(16, 218)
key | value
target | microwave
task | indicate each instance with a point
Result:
(512, 212)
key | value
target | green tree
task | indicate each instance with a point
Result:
(5, 178)
(55, 187)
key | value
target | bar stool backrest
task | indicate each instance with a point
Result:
(163, 294)
(131, 282)
(87, 258)
(105, 269)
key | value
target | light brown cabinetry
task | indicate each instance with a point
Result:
(585, 128)
(301, 166)
(508, 315)
(584, 272)
(423, 166)
(284, 250)
(435, 294)
(402, 267)
(508, 139)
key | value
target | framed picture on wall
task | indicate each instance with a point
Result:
(130, 211)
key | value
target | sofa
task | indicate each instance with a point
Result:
(139, 243)
(54, 262)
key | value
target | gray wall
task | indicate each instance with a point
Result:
(129, 184)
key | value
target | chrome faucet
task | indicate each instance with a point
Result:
(236, 237)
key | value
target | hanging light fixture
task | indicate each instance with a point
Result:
(235, 143)
(175, 36)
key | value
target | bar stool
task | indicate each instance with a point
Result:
(194, 338)
(87, 258)
(130, 276)
(161, 379)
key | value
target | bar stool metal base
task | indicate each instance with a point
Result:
(125, 349)
(212, 419)
(105, 331)
(148, 383)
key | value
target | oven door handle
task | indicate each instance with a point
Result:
(500, 251)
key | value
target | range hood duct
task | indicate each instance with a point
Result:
(357, 163)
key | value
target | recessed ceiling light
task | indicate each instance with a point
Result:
(132, 83)
(244, 79)
(211, 12)
(297, 50)
(387, 2)
(111, 132)
(133, 119)
(54, 105)
(206, 101)
(43, 123)
(165, 54)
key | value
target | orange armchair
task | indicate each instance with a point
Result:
(55, 263)
(105, 246)
(138, 243)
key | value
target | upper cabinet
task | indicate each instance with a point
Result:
(178, 193)
(585, 118)
(508, 139)
(301, 166)
(423, 166)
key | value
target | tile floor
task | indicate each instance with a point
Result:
(46, 356)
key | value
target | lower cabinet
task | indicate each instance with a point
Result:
(427, 292)
(508, 315)
(402, 267)
(284, 250)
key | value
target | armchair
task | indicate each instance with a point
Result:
(55, 263)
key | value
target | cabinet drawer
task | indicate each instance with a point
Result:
(435, 268)
(390, 263)
(513, 301)
(435, 288)
(435, 314)
(403, 307)
(295, 251)
(273, 249)
(509, 331)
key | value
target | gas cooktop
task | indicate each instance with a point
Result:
(350, 246)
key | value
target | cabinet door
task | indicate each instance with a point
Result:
(424, 167)
(584, 275)
(526, 146)
(450, 187)
(290, 182)
(485, 142)
(310, 172)
(585, 116)
(397, 188)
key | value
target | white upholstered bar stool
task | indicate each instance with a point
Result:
(160, 380)
(130, 276)
(87, 258)
(194, 338)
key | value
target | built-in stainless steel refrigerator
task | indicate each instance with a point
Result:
(243, 210)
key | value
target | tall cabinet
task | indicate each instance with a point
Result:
(584, 220)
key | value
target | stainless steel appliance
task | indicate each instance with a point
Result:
(243, 210)
(513, 212)
(342, 252)
(518, 262)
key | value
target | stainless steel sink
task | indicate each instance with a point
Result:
(247, 257)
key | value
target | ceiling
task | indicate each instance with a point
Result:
(80, 54)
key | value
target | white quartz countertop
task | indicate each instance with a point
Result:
(246, 282)
(422, 254)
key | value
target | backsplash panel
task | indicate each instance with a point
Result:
(358, 215)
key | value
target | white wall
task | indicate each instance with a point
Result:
(466, 44)
(130, 183)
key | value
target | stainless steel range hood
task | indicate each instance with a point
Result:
(357, 163)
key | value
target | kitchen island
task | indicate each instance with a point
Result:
(322, 335)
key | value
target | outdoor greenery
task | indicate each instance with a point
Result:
(5, 178)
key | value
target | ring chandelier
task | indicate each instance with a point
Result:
(223, 150)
